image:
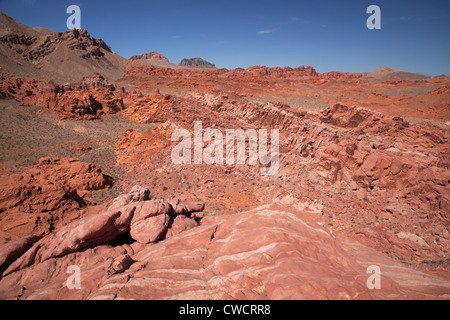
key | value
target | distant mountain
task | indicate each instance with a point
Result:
(197, 63)
(154, 59)
(394, 74)
(59, 56)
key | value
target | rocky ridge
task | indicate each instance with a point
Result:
(60, 56)
(385, 170)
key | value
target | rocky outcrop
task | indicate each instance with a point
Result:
(48, 195)
(34, 49)
(340, 76)
(95, 81)
(136, 148)
(88, 99)
(146, 221)
(272, 252)
(153, 55)
(13, 250)
(274, 72)
(19, 89)
(84, 105)
(59, 56)
(149, 108)
(386, 171)
(241, 81)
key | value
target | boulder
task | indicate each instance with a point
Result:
(150, 229)
(178, 225)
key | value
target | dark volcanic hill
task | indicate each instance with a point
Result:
(59, 56)
(197, 63)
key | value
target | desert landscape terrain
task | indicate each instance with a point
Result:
(88, 177)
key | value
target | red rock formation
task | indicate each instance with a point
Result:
(19, 89)
(95, 81)
(275, 72)
(302, 86)
(341, 76)
(386, 171)
(47, 196)
(84, 105)
(136, 148)
(273, 252)
(88, 99)
(13, 250)
(148, 108)
(140, 218)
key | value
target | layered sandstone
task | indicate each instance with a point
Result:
(389, 175)
(273, 252)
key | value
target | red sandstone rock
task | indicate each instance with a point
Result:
(148, 109)
(146, 221)
(88, 99)
(95, 81)
(84, 104)
(138, 147)
(366, 168)
(183, 207)
(178, 225)
(150, 229)
(19, 89)
(79, 235)
(47, 195)
(11, 251)
(273, 252)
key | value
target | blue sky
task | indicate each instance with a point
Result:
(326, 34)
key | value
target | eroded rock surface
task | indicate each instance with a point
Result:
(48, 195)
(272, 252)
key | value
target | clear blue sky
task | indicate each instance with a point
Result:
(326, 34)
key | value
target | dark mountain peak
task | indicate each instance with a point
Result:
(197, 63)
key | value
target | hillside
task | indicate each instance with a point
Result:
(154, 59)
(59, 56)
(394, 74)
